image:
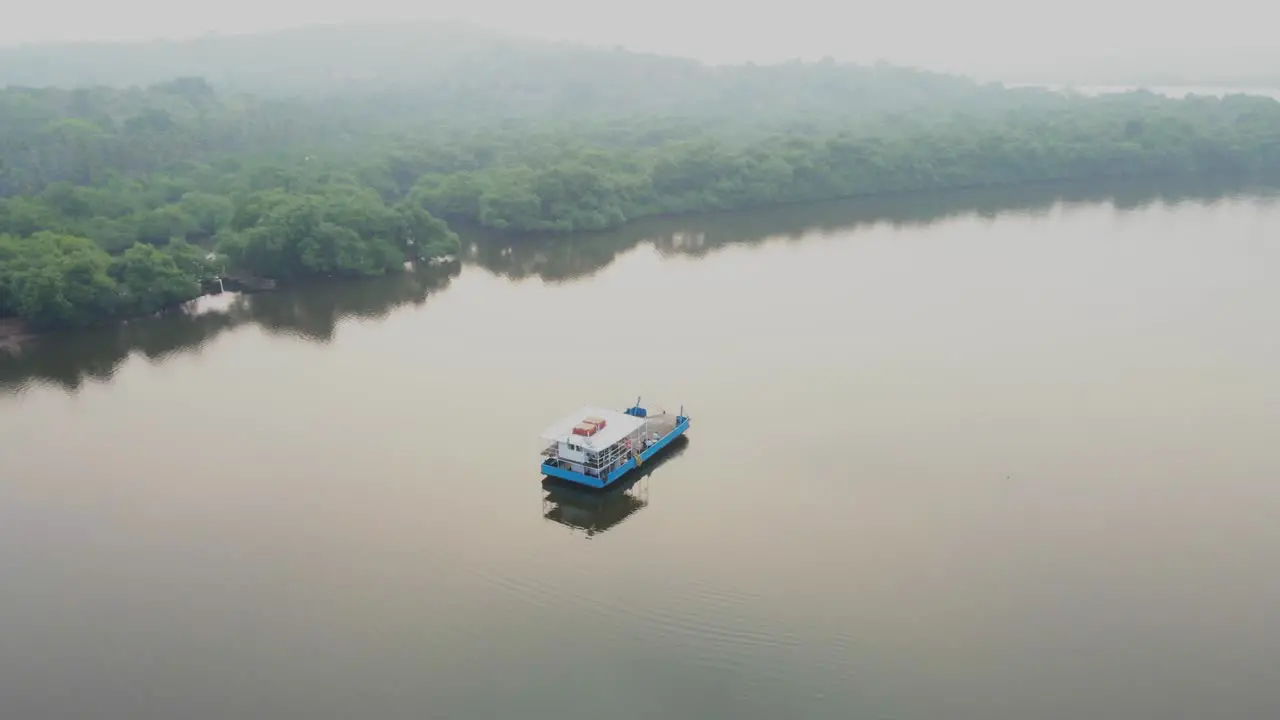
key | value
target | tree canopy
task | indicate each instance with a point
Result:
(118, 200)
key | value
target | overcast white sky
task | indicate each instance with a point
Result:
(965, 34)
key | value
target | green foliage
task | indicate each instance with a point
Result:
(1133, 135)
(150, 280)
(343, 233)
(64, 281)
(428, 236)
(206, 214)
(56, 280)
(130, 189)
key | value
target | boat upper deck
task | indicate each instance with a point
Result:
(617, 427)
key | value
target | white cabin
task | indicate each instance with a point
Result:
(601, 452)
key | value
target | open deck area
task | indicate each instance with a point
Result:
(662, 424)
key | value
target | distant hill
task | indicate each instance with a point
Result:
(435, 72)
(303, 59)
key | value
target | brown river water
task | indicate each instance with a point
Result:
(993, 455)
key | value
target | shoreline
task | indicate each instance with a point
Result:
(1260, 177)
(14, 333)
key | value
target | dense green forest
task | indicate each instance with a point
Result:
(121, 200)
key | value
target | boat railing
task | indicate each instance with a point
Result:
(585, 468)
(606, 460)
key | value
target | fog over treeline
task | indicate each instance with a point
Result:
(1088, 41)
(130, 174)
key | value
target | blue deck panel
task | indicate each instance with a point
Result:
(682, 424)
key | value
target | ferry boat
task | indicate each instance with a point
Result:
(596, 447)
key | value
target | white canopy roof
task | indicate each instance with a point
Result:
(617, 426)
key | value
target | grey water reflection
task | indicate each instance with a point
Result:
(308, 312)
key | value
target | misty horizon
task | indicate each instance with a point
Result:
(1096, 42)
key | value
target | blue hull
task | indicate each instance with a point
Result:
(550, 470)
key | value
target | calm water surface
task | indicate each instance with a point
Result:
(986, 455)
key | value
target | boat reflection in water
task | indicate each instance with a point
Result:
(594, 511)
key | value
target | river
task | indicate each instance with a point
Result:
(997, 455)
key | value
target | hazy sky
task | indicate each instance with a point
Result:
(948, 35)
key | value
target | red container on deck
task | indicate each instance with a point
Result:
(584, 429)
